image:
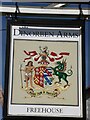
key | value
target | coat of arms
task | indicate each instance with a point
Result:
(49, 76)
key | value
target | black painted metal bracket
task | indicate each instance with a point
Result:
(16, 11)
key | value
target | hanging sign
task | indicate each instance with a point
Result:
(45, 72)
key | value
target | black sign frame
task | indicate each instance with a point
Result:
(42, 23)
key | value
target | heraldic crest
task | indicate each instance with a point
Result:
(45, 72)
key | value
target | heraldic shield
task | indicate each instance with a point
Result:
(43, 76)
